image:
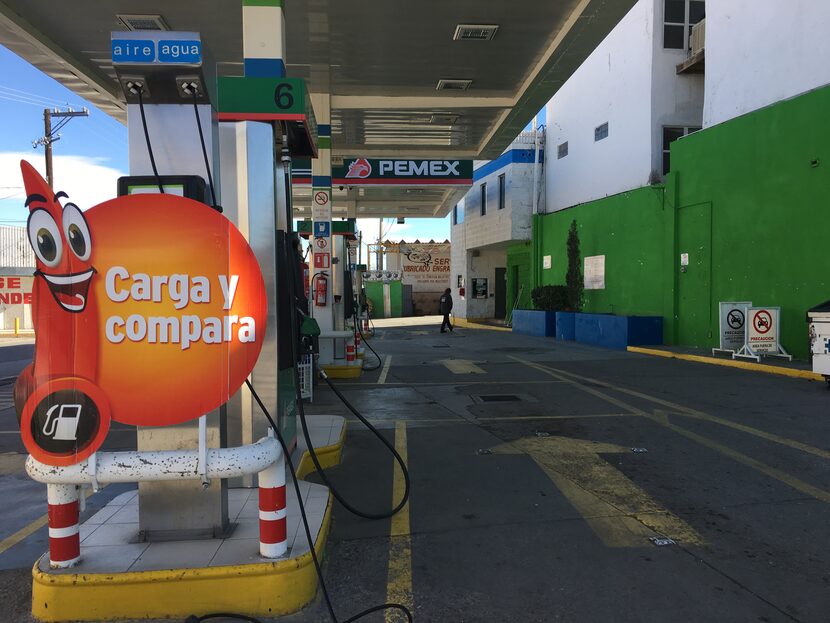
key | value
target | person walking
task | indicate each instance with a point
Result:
(445, 307)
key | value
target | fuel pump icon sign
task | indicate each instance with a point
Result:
(62, 422)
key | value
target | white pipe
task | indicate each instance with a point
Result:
(203, 451)
(161, 465)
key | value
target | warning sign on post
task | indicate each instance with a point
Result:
(732, 321)
(762, 334)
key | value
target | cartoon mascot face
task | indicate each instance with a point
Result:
(57, 402)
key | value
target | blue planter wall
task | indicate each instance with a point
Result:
(618, 331)
(533, 322)
(565, 322)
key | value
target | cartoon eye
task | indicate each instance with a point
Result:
(45, 237)
(77, 231)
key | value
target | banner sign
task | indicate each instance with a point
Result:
(732, 322)
(148, 310)
(425, 266)
(396, 172)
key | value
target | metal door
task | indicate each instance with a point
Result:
(500, 290)
(693, 268)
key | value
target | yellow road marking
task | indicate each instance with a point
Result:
(694, 413)
(661, 417)
(461, 366)
(26, 531)
(399, 573)
(731, 363)
(385, 371)
(617, 510)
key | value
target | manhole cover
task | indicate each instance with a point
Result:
(499, 398)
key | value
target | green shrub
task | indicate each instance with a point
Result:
(550, 298)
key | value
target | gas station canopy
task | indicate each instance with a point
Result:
(407, 80)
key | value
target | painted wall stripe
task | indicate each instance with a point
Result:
(264, 68)
(322, 181)
(323, 129)
(271, 3)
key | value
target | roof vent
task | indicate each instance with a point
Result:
(443, 119)
(474, 32)
(453, 85)
(142, 22)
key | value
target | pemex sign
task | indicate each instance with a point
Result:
(148, 310)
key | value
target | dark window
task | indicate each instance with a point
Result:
(455, 214)
(562, 150)
(697, 11)
(502, 185)
(483, 199)
(601, 132)
(670, 135)
(678, 18)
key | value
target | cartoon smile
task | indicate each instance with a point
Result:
(70, 291)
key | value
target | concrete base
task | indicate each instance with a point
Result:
(121, 578)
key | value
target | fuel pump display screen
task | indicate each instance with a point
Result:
(189, 186)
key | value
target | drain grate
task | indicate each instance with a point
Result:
(499, 398)
(440, 345)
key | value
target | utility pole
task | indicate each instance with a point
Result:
(50, 134)
(380, 245)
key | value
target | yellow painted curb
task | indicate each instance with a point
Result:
(472, 324)
(338, 371)
(258, 589)
(329, 456)
(730, 363)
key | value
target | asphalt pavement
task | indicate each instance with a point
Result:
(552, 481)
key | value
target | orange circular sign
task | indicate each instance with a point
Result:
(148, 310)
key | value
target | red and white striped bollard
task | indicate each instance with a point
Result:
(64, 531)
(273, 529)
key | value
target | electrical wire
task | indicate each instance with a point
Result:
(365, 341)
(204, 151)
(139, 89)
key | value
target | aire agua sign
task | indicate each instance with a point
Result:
(148, 310)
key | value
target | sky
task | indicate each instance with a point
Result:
(92, 151)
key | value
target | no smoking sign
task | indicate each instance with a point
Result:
(321, 197)
(321, 243)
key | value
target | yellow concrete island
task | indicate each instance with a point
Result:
(121, 578)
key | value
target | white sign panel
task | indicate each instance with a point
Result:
(321, 205)
(547, 262)
(425, 266)
(762, 329)
(594, 272)
(732, 324)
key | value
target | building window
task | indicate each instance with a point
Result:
(670, 135)
(502, 185)
(483, 199)
(601, 132)
(562, 150)
(455, 214)
(678, 18)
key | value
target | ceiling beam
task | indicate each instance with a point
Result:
(432, 102)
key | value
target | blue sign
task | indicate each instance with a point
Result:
(180, 51)
(142, 47)
(322, 229)
(133, 51)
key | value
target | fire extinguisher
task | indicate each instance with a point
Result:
(321, 287)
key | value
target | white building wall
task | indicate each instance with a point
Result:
(630, 82)
(675, 100)
(759, 52)
(613, 85)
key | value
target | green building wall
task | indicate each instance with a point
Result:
(748, 200)
(519, 263)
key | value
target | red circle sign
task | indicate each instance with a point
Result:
(148, 309)
(762, 321)
(321, 243)
(321, 198)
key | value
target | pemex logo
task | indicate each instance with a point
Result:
(360, 168)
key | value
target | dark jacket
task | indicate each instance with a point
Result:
(445, 304)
